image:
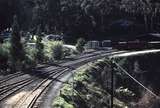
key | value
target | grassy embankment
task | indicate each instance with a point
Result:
(92, 84)
(90, 88)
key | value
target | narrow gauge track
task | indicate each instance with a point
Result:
(29, 101)
(11, 76)
(10, 89)
(95, 53)
(35, 104)
(18, 74)
(35, 73)
(22, 83)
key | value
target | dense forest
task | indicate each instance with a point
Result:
(83, 18)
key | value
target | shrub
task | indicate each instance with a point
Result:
(4, 56)
(6, 46)
(57, 50)
(61, 103)
(54, 50)
(80, 45)
(39, 49)
(48, 51)
(30, 59)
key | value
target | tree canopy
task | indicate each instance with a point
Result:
(81, 18)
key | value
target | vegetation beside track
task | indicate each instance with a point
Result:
(91, 87)
(21, 54)
(144, 68)
(87, 89)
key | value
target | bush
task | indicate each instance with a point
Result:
(4, 56)
(80, 45)
(30, 59)
(48, 51)
(57, 50)
(54, 50)
(61, 103)
(39, 49)
(6, 46)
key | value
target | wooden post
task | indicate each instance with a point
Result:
(112, 83)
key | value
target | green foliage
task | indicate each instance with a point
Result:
(89, 92)
(6, 47)
(80, 45)
(40, 49)
(81, 76)
(61, 103)
(54, 50)
(67, 91)
(48, 51)
(57, 50)
(30, 59)
(5, 50)
(80, 17)
(4, 56)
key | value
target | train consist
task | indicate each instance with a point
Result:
(98, 44)
(123, 45)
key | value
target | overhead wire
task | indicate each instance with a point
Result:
(120, 67)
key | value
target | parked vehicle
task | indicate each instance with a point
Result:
(52, 37)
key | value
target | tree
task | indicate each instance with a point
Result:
(54, 11)
(57, 50)
(17, 51)
(39, 46)
(3, 58)
(87, 18)
(80, 45)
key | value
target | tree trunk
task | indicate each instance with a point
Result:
(146, 22)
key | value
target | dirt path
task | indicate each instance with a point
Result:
(54, 90)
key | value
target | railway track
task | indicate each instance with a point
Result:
(29, 100)
(9, 89)
(95, 53)
(18, 74)
(8, 77)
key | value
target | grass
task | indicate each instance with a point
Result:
(61, 103)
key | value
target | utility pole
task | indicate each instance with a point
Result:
(112, 82)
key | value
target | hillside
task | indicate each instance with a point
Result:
(92, 87)
(83, 18)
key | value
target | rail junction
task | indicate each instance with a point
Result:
(27, 90)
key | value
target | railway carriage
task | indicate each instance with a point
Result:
(106, 43)
(154, 44)
(93, 45)
(134, 44)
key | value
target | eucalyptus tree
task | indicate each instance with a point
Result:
(39, 45)
(17, 51)
(54, 14)
(146, 8)
(39, 16)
